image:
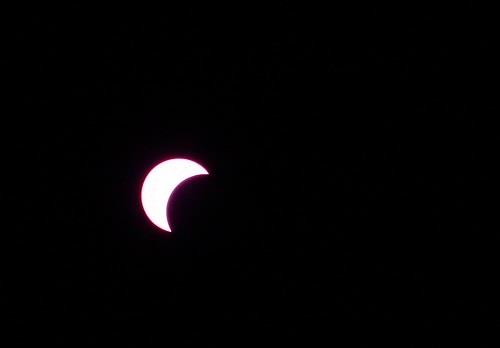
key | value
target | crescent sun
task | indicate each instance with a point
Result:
(159, 185)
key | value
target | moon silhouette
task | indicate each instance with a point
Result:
(159, 184)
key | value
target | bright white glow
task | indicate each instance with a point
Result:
(159, 185)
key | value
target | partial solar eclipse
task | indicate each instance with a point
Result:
(159, 185)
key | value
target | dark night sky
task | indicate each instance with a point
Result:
(350, 162)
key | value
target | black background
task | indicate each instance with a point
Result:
(350, 157)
